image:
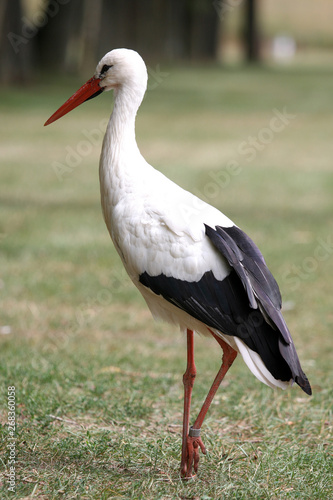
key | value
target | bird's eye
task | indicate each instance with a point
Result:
(105, 68)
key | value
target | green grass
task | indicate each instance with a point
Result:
(98, 383)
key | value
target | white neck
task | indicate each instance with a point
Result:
(120, 153)
(121, 128)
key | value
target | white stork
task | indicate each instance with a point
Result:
(194, 267)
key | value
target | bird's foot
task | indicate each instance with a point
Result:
(190, 460)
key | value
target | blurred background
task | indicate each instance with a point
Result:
(71, 35)
(239, 110)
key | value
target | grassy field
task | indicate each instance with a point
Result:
(98, 384)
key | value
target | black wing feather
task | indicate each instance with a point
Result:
(246, 304)
(223, 305)
(252, 269)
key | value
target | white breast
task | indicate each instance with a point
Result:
(158, 227)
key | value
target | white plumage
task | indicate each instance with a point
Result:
(193, 266)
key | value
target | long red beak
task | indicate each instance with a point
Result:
(87, 91)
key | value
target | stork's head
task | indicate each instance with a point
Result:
(117, 69)
(121, 67)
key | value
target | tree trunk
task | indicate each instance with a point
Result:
(16, 43)
(158, 29)
(204, 30)
(59, 39)
(90, 33)
(252, 50)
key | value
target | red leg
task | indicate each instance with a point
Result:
(229, 356)
(193, 440)
(188, 381)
